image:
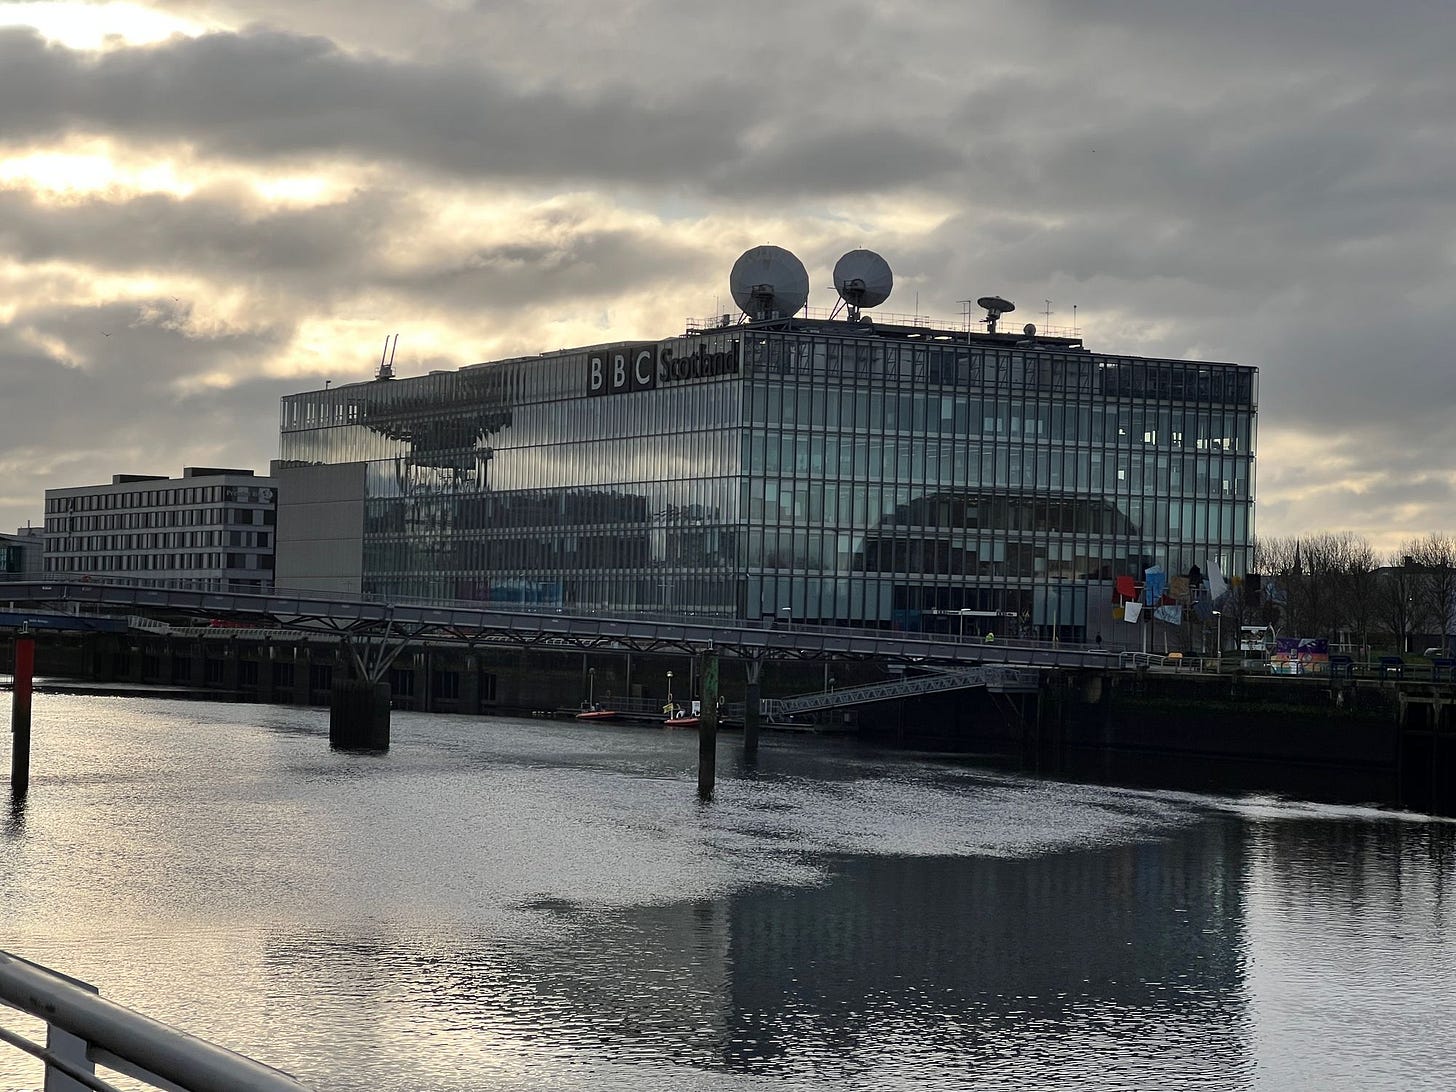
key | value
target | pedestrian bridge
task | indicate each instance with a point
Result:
(297, 615)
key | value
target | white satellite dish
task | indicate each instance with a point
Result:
(863, 279)
(769, 282)
(995, 307)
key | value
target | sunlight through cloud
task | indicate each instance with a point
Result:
(98, 26)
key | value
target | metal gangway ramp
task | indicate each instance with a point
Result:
(992, 676)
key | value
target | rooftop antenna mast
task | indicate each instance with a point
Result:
(386, 369)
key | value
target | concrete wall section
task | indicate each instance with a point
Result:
(320, 527)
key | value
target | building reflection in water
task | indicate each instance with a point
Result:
(1352, 942)
(987, 968)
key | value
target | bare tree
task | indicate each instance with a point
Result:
(1308, 570)
(1275, 559)
(1319, 584)
(1321, 557)
(1358, 585)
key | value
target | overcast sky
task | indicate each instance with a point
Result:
(206, 204)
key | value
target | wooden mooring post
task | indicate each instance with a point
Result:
(20, 713)
(708, 727)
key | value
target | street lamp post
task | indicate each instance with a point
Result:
(669, 688)
(963, 612)
(1218, 641)
(591, 687)
(788, 613)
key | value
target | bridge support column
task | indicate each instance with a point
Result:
(470, 684)
(230, 657)
(751, 709)
(302, 673)
(708, 728)
(424, 666)
(265, 656)
(359, 715)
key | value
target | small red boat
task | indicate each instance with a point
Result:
(681, 722)
(598, 714)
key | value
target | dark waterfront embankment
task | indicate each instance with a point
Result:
(1366, 740)
(1352, 740)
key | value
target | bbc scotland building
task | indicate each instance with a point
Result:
(834, 471)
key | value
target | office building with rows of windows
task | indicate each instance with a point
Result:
(213, 527)
(854, 472)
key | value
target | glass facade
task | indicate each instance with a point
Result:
(823, 471)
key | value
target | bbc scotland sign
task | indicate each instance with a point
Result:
(645, 366)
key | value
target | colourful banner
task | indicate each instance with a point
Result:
(1300, 656)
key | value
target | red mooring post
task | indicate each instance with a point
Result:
(20, 714)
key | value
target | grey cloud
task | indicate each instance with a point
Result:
(1262, 183)
(833, 164)
(1293, 29)
(271, 94)
(585, 265)
(218, 232)
(124, 411)
(276, 95)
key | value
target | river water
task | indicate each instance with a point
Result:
(525, 904)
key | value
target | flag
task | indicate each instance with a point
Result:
(1217, 589)
(1171, 615)
(1154, 581)
(1132, 611)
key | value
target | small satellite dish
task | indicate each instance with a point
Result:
(995, 307)
(1029, 329)
(769, 282)
(863, 279)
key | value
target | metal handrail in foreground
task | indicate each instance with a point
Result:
(84, 1029)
